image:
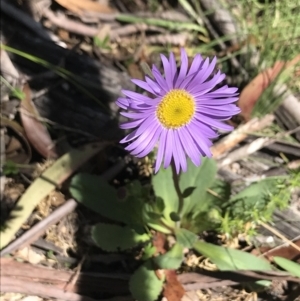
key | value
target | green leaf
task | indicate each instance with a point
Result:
(164, 188)
(253, 198)
(227, 259)
(144, 284)
(218, 192)
(257, 190)
(16, 92)
(174, 217)
(185, 237)
(172, 259)
(160, 205)
(149, 251)
(188, 191)
(200, 177)
(292, 267)
(10, 168)
(96, 194)
(204, 221)
(113, 237)
(158, 226)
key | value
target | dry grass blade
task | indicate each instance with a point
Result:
(36, 132)
(42, 186)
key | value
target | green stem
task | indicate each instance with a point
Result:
(178, 191)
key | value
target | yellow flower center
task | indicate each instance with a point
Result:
(176, 109)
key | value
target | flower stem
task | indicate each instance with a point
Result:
(178, 191)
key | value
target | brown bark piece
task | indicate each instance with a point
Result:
(79, 6)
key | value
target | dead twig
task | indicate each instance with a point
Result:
(171, 15)
(130, 29)
(27, 287)
(53, 281)
(253, 147)
(240, 134)
(86, 283)
(207, 279)
(278, 234)
(73, 279)
(8, 70)
(2, 160)
(233, 60)
(179, 39)
(62, 21)
(290, 103)
(38, 229)
(222, 18)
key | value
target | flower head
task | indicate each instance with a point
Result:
(182, 113)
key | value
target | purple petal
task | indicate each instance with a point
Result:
(138, 115)
(147, 123)
(151, 141)
(167, 70)
(159, 78)
(219, 113)
(203, 75)
(207, 86)
(189, 146)
(214, 123)
(143, 140)
(178, 154)
(205, 129)
(138, 106)
(129, 137)
(226, 107)
(131, 125)
(226, 90)
(198, 77)
(195, 66)
(173, 68)
(169, 148)
(155, 87)
(136, 96)
(215, 101)
(186, 81)
(201, 141)
(122, 103)
(143, 85)
(161, 149)
(183, 68)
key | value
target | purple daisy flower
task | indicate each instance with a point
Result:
(182, 113)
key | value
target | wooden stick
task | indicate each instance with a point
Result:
(252, 147)
(278, 234)
(240, 134)
(14, 285)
